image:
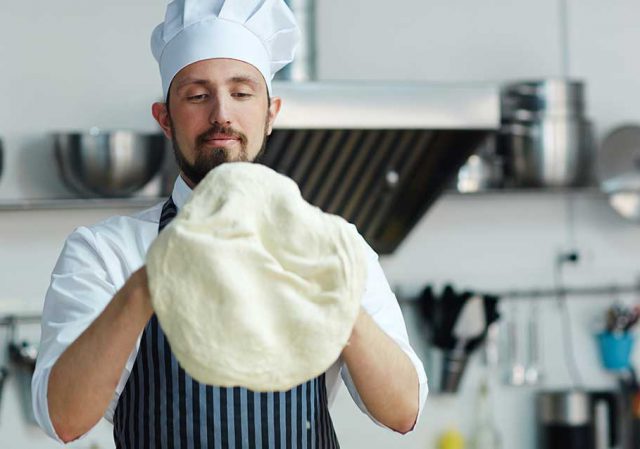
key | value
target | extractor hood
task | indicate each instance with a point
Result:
(378, 153)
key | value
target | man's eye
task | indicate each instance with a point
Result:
(197, 97)
(241, 95)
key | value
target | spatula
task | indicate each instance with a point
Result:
(470, 323)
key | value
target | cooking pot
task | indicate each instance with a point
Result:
(575, 419)
(552, 151)
(527, 100)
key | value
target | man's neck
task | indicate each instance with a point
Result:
(188, 181)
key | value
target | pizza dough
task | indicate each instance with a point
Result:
(252, 285)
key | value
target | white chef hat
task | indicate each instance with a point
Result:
(262, 33)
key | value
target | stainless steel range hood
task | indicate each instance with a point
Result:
(378, 153)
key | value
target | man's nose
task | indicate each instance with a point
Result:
(220, 111)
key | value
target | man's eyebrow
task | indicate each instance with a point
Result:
(242, 79)
(237, 79)
(190, 80)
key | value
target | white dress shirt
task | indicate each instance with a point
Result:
(97, 260)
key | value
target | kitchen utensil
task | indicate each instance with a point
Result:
(450, 337)
(573, 419)
(629, 410)
(470, 324)
(440, 314)
(516, 348)
(491, 346)
(482, 171)
(621, 318)
(619, 159)
(545, 138)
(528, 100)
(618, 170)
(516, 374)
(23, 356)
(476, 175)
(4, 373)
(548, 152)
(108, 163)
(485, 432)
(533, 372)
(626, 204)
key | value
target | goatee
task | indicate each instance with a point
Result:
(209, 158)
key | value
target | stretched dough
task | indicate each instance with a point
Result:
(252, 285)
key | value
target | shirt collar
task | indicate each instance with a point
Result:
(181, 192)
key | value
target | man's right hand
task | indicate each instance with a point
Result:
(83, 380)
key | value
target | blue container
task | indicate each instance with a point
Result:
(615, 349)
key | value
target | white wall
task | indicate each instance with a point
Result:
(71, 65)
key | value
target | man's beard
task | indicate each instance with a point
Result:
(209, 158)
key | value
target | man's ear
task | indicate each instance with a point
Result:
(161, 114)
(274, 109)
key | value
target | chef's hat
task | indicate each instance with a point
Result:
(262, 33)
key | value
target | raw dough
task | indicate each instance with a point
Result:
(252, 285)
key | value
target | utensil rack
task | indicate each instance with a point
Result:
(542, 293)
(577, 292)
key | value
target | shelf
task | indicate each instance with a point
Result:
(591, 190)
(596, 292)
(141, 202)
(79, 203)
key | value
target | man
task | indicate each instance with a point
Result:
(102, 352)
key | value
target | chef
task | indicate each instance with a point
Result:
(102, 352)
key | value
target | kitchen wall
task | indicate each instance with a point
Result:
(72, 65)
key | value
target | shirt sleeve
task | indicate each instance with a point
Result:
(381, 304)
(80, 289)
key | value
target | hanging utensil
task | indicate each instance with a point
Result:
(533, 371)
(23, 356)
(4, 373)
(516, 368)
(470, 324)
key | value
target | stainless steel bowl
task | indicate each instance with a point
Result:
(553, 152)
(108, 164)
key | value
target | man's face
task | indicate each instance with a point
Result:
(218, 112)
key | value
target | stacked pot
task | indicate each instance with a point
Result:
(545, 139)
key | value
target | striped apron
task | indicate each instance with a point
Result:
(161, 406)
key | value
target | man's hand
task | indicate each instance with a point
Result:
(383, 374)
(83, 380)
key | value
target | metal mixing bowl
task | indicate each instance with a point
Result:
(108, 163)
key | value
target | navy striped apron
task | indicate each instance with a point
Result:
(161, 406)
